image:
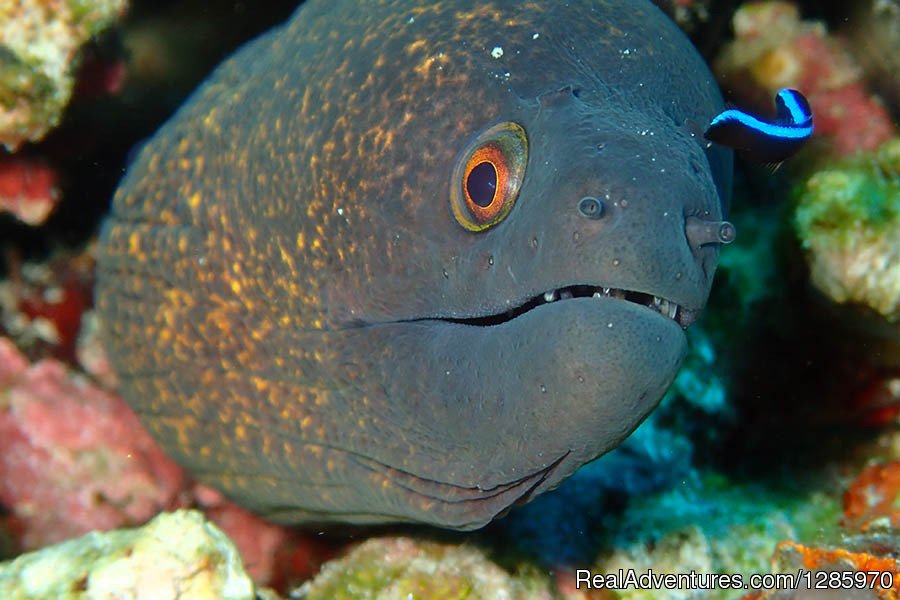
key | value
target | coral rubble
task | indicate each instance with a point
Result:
(405, 568)
(39, 43)
(176, 556)
(833, 573)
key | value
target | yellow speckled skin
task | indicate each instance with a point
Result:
(277, 274)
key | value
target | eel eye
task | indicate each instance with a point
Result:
(488, 175)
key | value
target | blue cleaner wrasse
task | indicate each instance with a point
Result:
(769, 142)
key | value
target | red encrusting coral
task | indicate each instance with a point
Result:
(43, 303)
(28, 188)
(73, 457)
(63, 309)
(827, 558)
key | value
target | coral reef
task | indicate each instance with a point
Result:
(73, 457)
(39, 42)
(709, 482)
(775, 49)
(28, 189)
(272, 555)
(848, 219)
(873, 28)
(42, 304)
(176, 556)
(712, 525)
(395, 568)
(872, 497)
(793, 558)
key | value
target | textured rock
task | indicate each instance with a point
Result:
(792, 558)
(257, 541)
(848, 220)
(176, 556)
(39, 42)
(401, 568)
(871, 498)
(775, 49)
(28, 189)
(74, 458)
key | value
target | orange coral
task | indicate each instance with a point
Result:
(790, 557)
(827, 559)
(872, 495)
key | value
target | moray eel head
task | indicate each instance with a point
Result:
(427, 276)
(540, 342)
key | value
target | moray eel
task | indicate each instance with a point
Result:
(417, 261)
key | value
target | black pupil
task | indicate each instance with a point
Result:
(482, 184)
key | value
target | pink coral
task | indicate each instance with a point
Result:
(774, 49)
(73, 457)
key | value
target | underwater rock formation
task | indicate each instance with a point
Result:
(775, 49)
(39, 42)
(176, 556)
(28, 189)
(874, 30)
(848, 220)
(94, 468)
(406, 568)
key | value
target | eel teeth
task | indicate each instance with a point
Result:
(664, 307)
(681, 315)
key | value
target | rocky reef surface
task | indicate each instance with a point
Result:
(777, 450)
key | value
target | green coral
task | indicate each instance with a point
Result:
(848, 220)
(407, 569)
(863, 193)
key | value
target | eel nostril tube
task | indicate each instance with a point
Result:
(701, 232)
(591, 207)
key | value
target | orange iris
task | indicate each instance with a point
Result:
(488, 175)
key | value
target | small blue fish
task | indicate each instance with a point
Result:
(763, 141)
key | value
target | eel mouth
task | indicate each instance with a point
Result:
(684, 317)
